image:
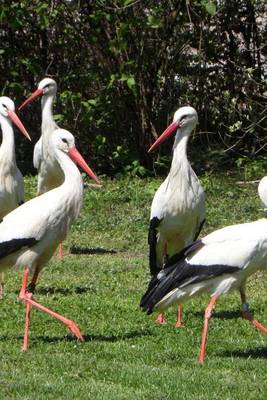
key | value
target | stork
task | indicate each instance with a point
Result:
(50, 174)
(30, 234)
(219, 262)
(11, 179)
(178, 207)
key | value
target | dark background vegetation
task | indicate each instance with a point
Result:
(123, 67)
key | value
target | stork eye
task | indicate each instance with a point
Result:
(183, 117)
(5, 107)
(64, 140)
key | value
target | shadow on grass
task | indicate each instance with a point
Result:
(92, 250)
(260, 352)
(87, 338)
(63, 291)
(221, 314)
(116, 338)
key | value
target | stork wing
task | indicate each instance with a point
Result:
(37, 154)
(13, 245)
(29, 221)
(224, 251)
(156, 216)
(152, 242)
(19, 187)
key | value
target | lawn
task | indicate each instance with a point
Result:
(125, 354)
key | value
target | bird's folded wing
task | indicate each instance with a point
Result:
(37, 154)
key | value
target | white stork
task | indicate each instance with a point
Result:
(50, 174)
(30, 234)
(178, 208)
(216, 264)
(11, 179)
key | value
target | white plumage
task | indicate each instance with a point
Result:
(242, 246)
(179, 203)
(11, 179)
(178, 208)
(49, 173)
(220, 262)
(262, 190)
(30, 234)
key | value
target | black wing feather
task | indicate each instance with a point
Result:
(179, 275)
(11, 246)
(199, 229)
(152, 241)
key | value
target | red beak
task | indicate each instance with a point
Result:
(168, 132)
(16, 121)
(33, 96)
(78, 158)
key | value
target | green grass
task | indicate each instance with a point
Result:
(126, 355)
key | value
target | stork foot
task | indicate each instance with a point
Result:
(179, 324)
(161, 319)
(246, 314)
(75, 330)
(27, 298)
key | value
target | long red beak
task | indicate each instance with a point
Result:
(16, 121)
(33, 96)
(168, 132)
(78, 158)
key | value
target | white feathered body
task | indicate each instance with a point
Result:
(50, 174)
(179, 204)
(46, 218)
(243, 246)
(11, 179)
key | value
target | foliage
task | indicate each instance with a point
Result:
(124, 66)
(125, 354)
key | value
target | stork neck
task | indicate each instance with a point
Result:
(180, 149)
(72, 187)
(48, 122)
(73, 179)
(7, 149)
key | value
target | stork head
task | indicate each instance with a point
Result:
(185, 118)
(64, 141)
(7, 110)
(47, 87)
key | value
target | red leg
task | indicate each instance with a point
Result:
(60, 250)
(30, 302)
(27, 309)
(27, 326)
(179, 322)
(208, 312)
(246, 314)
